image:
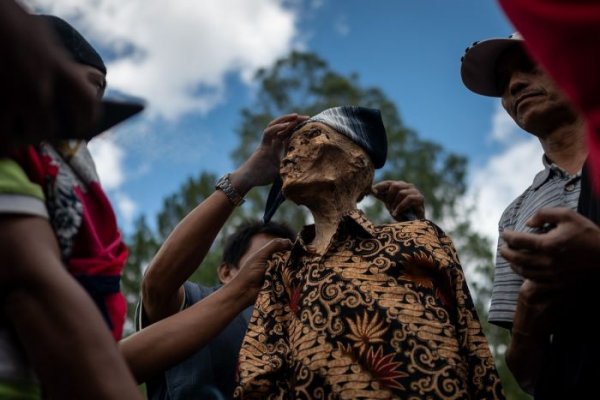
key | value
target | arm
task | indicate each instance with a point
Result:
(557, 265)
(33, 80)
(59, 326)
(188, 244)
(174, 338)
(530, 334)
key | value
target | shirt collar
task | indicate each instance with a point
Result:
(550, 169)
(355, 219)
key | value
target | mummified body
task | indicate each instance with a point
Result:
(357, 311)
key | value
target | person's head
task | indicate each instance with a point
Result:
(245, 241)
(334, 152)
(87, 60)
(502, 68)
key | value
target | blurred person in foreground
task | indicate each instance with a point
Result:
(61, 253)
(41, 87)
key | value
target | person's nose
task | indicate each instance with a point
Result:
(518, 83)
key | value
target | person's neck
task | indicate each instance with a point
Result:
(327, 213)
(566, 147)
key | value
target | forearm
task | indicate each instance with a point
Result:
(185, 249)
(61, 330)
(175, 338)
(524, 358)
(181, 254)
(525, 353)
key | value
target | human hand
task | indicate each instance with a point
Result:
(249, 280)
(263, 165)
(42, 90)
(567, 255)
(401, 199)
(538, 309)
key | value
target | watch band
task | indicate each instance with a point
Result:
(224, 184)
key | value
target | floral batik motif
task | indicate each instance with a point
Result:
(385, 313)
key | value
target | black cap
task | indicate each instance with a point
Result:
(75, 44)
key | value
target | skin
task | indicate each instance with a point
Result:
(552, 263)
(41, 87)
(326, 172)
(60, 328)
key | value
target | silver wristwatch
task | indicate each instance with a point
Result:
(224, 184)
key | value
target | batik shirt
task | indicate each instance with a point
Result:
(384, 313)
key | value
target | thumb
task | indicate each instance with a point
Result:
(380, 189)
(547, 216)
(273, 246)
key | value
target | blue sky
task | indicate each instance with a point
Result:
(193, 61)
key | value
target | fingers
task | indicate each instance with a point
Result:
(523, 240)
(280, 128)
(274, 246)
(552, 216)
(533, 266)
(400, 197)
(268, 249)
(411, 202)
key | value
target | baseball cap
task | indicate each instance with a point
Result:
(479, 64)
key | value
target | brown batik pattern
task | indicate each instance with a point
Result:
(385, 313)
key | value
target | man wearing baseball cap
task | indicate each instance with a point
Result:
(548, 253)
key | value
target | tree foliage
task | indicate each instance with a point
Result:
(305, 84)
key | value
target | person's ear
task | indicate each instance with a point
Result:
(224, 272)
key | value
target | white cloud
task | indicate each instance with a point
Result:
(505, 175)
(341, 26)
(504, 129)
(108, 157)
(126, 207)
(177, 54)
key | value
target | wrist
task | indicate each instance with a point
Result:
(241, 179)
(231, 190)
(241, 296)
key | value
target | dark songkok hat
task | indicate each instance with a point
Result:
(363, 126)
(74, 43)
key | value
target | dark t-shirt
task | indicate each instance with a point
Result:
(209, 373)
(571, 368)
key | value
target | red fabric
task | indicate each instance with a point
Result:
(564, 37)
(97, 247)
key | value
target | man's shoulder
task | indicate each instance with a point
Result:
(194, 292)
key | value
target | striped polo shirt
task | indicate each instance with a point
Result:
(552, 187)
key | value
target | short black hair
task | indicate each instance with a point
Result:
(237, 243)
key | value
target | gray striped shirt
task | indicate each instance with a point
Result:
(552, 187)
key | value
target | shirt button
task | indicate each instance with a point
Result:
(570, 187)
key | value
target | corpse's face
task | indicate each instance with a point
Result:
(529, 95)
(319, 159)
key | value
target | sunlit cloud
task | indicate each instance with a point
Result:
(177, 55)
